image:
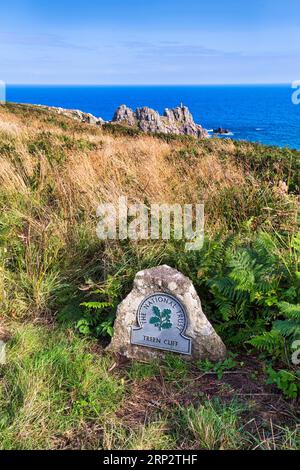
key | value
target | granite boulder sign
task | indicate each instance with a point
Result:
(161, 314)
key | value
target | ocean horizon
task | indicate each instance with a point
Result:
(262, 113)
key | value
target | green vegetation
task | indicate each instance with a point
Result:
(214, 426)
(218, 368)
(60, 287)
(98, 317)
(287, 382)
(59, 391)
(118, 130)
(53, 387)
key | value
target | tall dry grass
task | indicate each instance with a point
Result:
(54, 172)
(143, 168)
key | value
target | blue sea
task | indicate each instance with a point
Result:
(258, 113)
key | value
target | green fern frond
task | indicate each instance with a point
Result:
(271, 341)
(264, 243)
(97, 305)
(291, 311)
(242, 273)
(287, 328)
(241, 309)
(225, 308)
(224, 286)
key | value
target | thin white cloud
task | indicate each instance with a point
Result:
(10, 38)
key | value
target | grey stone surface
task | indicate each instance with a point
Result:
(75, 114)
(124, 115)
(205, 343)
(174, 121)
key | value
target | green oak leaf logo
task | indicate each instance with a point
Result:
(161, 319)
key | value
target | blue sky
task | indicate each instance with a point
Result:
(153, 42)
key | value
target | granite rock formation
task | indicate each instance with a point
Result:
(76, 114)
(221, 131)
(178, 120)
(174, 121)
(206, 344)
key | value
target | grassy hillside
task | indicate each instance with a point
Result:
(59, 388)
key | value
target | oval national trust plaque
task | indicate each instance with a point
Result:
(162, 322)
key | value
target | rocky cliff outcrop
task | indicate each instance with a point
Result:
(174, 121)
(76, 114)
(178, 120)
(124, 115)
